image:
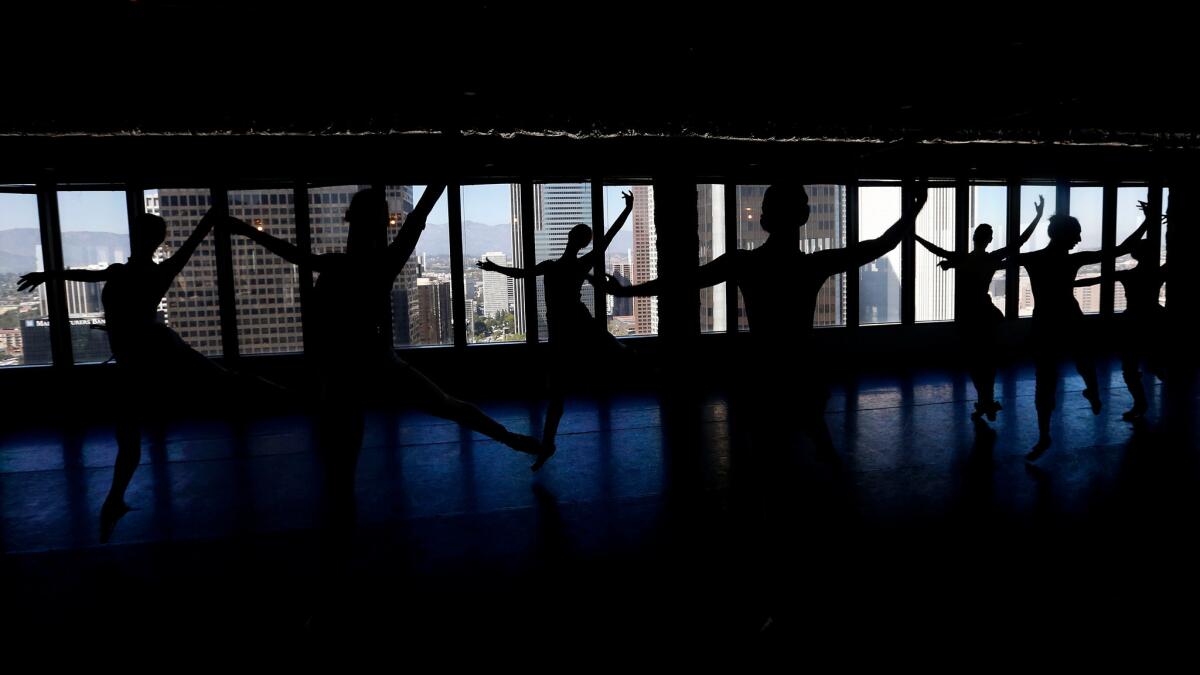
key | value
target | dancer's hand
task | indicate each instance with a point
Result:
(32, 280)
(1040, 205)
(946, 265)
(487, 265)
(628, 197)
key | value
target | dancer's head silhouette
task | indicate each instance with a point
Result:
(784, 208)
(982, 237)
(146, 233)
(1064, 232)
(369, 218)
(578, 239)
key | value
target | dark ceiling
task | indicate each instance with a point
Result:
(954, 73)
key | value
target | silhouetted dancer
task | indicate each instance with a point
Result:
(152, 360)
(1057, 318)
(355, 361)
(575, 337)
(779, 285)
(1140, 323)
(976, 316)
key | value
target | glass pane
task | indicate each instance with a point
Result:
(1162, 253)
(643, 260)
(488, 213)
(989, 205)
(24, 322)
(191, 306)
(620, 256)
(424, 285)
(710, 216)
(1087, 205)
(1129, 217)
(1039, 240)
(95, 234)
(267, 287)
(749, 234)
(879, 280)
(935, 286)
(558, 207)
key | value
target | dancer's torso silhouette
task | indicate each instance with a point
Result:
(567, 318)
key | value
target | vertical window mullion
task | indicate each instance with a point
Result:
(731, 244)
(226, 294)
(528, 212)
(1108, 242)
(600, 297)
(1012, 234)
(908, 260)
(852, 276)
(458, 301)
(304, 242)
(52, 261)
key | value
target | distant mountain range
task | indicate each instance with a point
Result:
(477, 239)
(18, 248)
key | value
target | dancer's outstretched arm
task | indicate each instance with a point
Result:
(515, 272)
(710, 274)
(838, 260)
(32, 280)
(999, 255)
(173, 265)
(615, 228)
(286, 250)
(1124, 248)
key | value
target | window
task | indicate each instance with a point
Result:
(191, 304)
(1129, 217)
(488, 214)
(710, 219)
(266, 286)
(24, 321)
(95, 234)
(879, 280)
(1040, 238)
(934, 286)
(424, 286)
(632, 258)
(1087, 205)
(989, 206)
(557, 208)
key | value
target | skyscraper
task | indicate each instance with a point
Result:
(645, 259)
(497, 287)
(434, 311)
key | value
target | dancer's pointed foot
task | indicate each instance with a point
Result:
(547, 453)
(1040, 449)
(526, 444)
(1136, 413)
(1093, 397)
(110, 513)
